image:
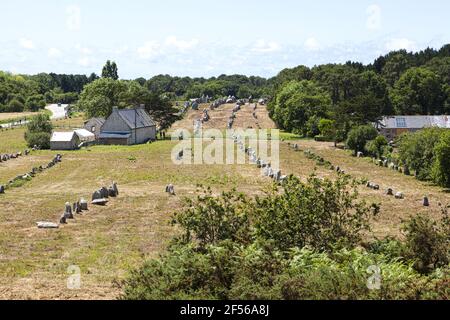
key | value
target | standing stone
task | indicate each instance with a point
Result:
(111, 192)
(406, 171)
(389, 192)
(83, 204)
(170, 189)
(114, 185)
(104, 192)
(63, 220)
(68, 211)
(77, 207)
(426, 202)
(96, 195)
(2, 189)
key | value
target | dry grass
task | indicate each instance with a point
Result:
(393, 211)
(107, 241)
(15, 115)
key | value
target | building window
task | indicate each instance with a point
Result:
(93, 129)
(401, 122)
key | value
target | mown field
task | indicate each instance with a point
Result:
(107, 241)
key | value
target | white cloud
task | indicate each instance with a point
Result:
(54, 53)
(149, 50)
(263, 46)
(401, 43)
(311, 44)
(373, 17)
(73, 18)
(26, 43)
(181, 45)
(83, 50)
(85, 62)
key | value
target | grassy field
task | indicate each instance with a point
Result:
(107, 241)
(6, 117)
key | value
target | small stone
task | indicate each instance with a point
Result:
(2, 189)
(100, 202)
(389, 192)
(426, 202)
(399, 195)
(47, 225)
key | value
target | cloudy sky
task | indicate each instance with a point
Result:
(211, 37)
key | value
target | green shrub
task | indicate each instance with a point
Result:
(319, 213)
(428, 242)
(359, 136)
(377, 147)
(440, 171)
(210, 219)
(417, 151)
(40, 139)
(39, 131)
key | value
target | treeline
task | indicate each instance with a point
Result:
(99, 97)
(352, 94)
(31, 93)
(239, 86)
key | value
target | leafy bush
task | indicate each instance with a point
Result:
(416, 150)
(14, 106)
(297, 242)
(40, 139)
(260, 271)
(428, 242)
(39, 131)
(377, 147)
(320, 214)
(359, 136)
(440, 171)
(212, 219)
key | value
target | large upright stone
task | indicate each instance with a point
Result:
(112, 192)
(68, 211)
(104, 192)
(77, 207)
(426, 202)
(114, 185)
(83, 204)
(96, 195)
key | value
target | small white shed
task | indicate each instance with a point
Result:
(64, 141)
(85, 135)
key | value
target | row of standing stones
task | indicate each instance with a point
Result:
(99, 197)
(372, 185)
(32, 173)
(262, 164)
(9, 156)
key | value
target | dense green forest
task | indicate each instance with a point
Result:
(354, 94)
(30, 93)
(349, 94)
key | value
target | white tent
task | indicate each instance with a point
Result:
(85, 135)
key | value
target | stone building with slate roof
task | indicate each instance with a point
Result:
(127, 127)
(391, 127)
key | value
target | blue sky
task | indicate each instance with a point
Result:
(208, 38)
